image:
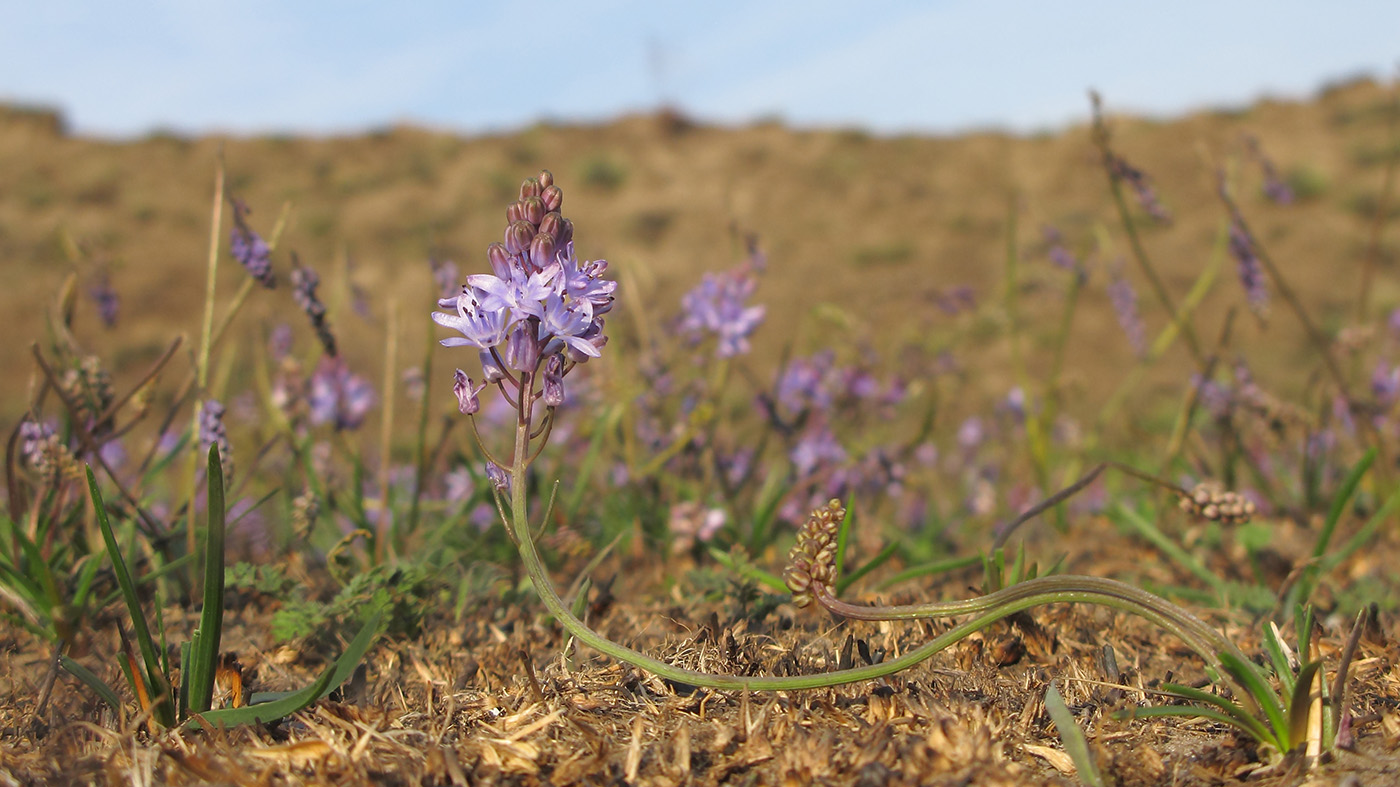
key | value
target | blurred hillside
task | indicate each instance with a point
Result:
(863, 234)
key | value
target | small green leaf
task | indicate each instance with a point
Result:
(287, 704)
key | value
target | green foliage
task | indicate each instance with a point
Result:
(602, 172)
(406, 592)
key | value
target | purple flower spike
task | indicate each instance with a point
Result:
(716, 307)
(338, 397)
(1125, 305)
(105, 298)
(1250, 272)
(466, 392)
(249, 248)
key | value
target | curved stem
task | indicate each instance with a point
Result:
(987, 610)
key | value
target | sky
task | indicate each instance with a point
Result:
(942, 66)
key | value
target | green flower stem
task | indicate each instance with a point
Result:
(1067, 588)
(986, 610)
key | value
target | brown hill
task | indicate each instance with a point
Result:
(875, 226)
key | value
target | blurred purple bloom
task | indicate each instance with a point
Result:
(304, 283)
(971, 434)
(460, 485)
(1141, 185)
(279, 342)
(337, 396)
(1125, 306)
(1251, 273)
(802, 384)
(446, 276)
(105, 298)
(213, 432)
(249, 248)
(1274, 188)
(716, 306)
(1385, 385)
(689, 522)
(816, 448)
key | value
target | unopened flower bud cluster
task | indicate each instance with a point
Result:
(812, 560)
(1208, 501)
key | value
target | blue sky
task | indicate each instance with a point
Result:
(254, 66)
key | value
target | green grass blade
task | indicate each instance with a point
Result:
(1076, 746)
(155, 678)
(286, 705)
(1299, 703)
(204, 655)
(1282, 669)
(1239, 715)
(1197, 712)
(101, 689)
(875, 562)
(929, 569)
(1140, 525)
(1339, 503)
(1249, 676)
(1365, 534)
(749, 571)
(843, 535)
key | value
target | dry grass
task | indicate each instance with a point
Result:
(457, 706)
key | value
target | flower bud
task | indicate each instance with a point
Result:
(546, 178)
(553, 198)
(522, 349)
(554, 381)
(515, 211)
(542, 250)
(518, 237)
(551, 224)
(530, 188)
(490, 369)
(462, 387)
(533, 209)
(500, 260)
(566, 234)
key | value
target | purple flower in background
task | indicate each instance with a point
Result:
(971, 434)
(460, 485)
(337, 396)
(446, 276)
(213, 432)
(804, 384)
(1141, 185)
(1251, 273)
(1125, 305)
(1274, 188)
(304, 283)
(105, 298)
(816, 448)
(716, 307)
(1385, 385)
(689, 522)
(249, 248)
